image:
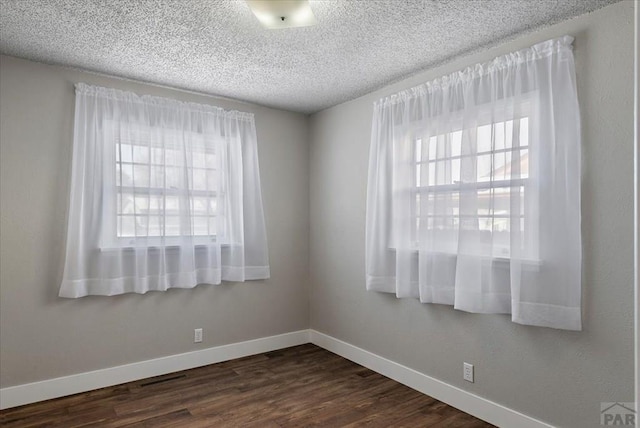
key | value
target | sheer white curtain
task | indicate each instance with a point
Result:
(474, 190)
(164, 194)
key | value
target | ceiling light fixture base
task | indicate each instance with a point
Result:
(278, 14)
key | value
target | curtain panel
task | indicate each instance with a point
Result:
(164, 194)
(473, 195)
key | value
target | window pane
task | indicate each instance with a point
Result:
(172, 177)
(156, 205)
(439, 147)
(501, 243)
(141, 176)
(142, 225)
(199, 179)
(155, 226)
(124, 175)
(172, 157)
(200, 206)
(441, 204)
(485, 224)
(432, 173)
(172, 205)
(484, 139)
(198, 160)
(524, 131)
(200, 226)
(172, 226)
(140, 154)
(455, 171)
(212, 180)
(441, 172)
(499, 167)
(524, 163)
(125, 153)
(157, 156)
(496, 201)
(433, 141)
(157, 176)
(125, 203)
(213, 223)
(118, 174)
(508, 134)
(141, 204)
(484, 170)
(126, 226)
(456, 143)
(211, 160)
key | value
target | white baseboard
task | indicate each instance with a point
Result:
(467, 402)
(59, 387)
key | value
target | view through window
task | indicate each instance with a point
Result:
(150, 183)
(478, 185)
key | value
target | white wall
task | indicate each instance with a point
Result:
(43, 336)
(556, 376)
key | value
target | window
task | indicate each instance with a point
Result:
(148, 201)
(149, 179)
(473, 198)
(164, 194)
(496, 166)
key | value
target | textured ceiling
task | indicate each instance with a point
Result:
(218, 47)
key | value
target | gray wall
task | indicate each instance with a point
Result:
(43, 336)
(556, 376)
(637, 210)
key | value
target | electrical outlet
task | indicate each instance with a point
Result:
(467, 372)
(197, 335)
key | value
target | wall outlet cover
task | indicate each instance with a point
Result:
(197, 335)
(467, 373)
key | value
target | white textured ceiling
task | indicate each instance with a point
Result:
(218, 47)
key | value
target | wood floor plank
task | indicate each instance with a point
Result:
(303, 386)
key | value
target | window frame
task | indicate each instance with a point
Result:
(528, 107)
(111, 191)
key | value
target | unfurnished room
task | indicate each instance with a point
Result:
(330, 213)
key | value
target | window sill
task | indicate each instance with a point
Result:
(498, 262)
(158, 247)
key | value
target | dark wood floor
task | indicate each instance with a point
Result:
(300, 386)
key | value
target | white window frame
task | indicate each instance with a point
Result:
(485, 116)
(109, 238)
